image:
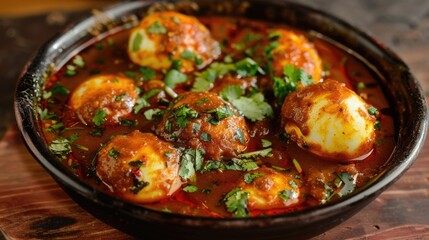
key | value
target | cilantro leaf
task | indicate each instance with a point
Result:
(254, 154)
(254, 108)
(231, 92)
(211, 165)
(44, 115)
(349, 185)
(59, 89)
(113, 153)
(137, 41)
(289, 83)
(236, 202)
(191, 161)
(248, 68)
(156, 28)
(265, 143)
(285, 194)
(250, 177)
(60, 146)
(190, 189)
(153, 113)
(78, 61)
(244, 165)
(147, 73)
(205, 79)
(174, 77)
(99, 117)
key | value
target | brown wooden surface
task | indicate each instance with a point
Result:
(32, 206)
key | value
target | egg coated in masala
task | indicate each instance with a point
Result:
(163, 37)
(139, 167)
(204, 120)
(269, 189)
(294, 48)
(103, 99)
(329, 120)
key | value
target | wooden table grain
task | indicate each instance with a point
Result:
(32, 206)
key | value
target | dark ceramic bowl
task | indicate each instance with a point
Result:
(400, 85)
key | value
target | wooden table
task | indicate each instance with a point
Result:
(32, 206)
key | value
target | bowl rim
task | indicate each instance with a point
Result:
(40, 65)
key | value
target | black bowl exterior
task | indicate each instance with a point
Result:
(401, 86)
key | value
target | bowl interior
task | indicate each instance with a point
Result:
(400, 86)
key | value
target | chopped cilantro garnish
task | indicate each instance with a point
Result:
(228, 59)
(60, 146)
(131, 74)
(248, 68)
(201, 101)
(136, 163)
(289, 83)
(147, 73)
(150, 114)
(206, 191)
(99, 117)
(128, 122)
(176, 20)
(211, 165)
(204, 80)
(259, 153)
(96, 132)
(265, 143)
(222, 112)
(78, 61)
(137, 41)
(206, 137)
(59, 89)
(156, 28)
(349, 185)
(70, 70)
(231, 92)
(274, 35)
(191, 161)
(196, 128)
(293, 184)
(373, 111)
(190, 189)
(120, 96)
(240, 165)
(183, 113)
(377, 125)
(239, 136)
(176, 64)
(113, 153)
(250, 177)
(140, 103)
(268, 50)
(285, 194)
(361, 86)
(297, 75)
(251, 36)
(174, 77)
(236, 202)
(254, 108)
(189, 55)
(44, 115)
(56, 128)
(138, 186)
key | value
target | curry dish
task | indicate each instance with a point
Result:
(219, 117)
